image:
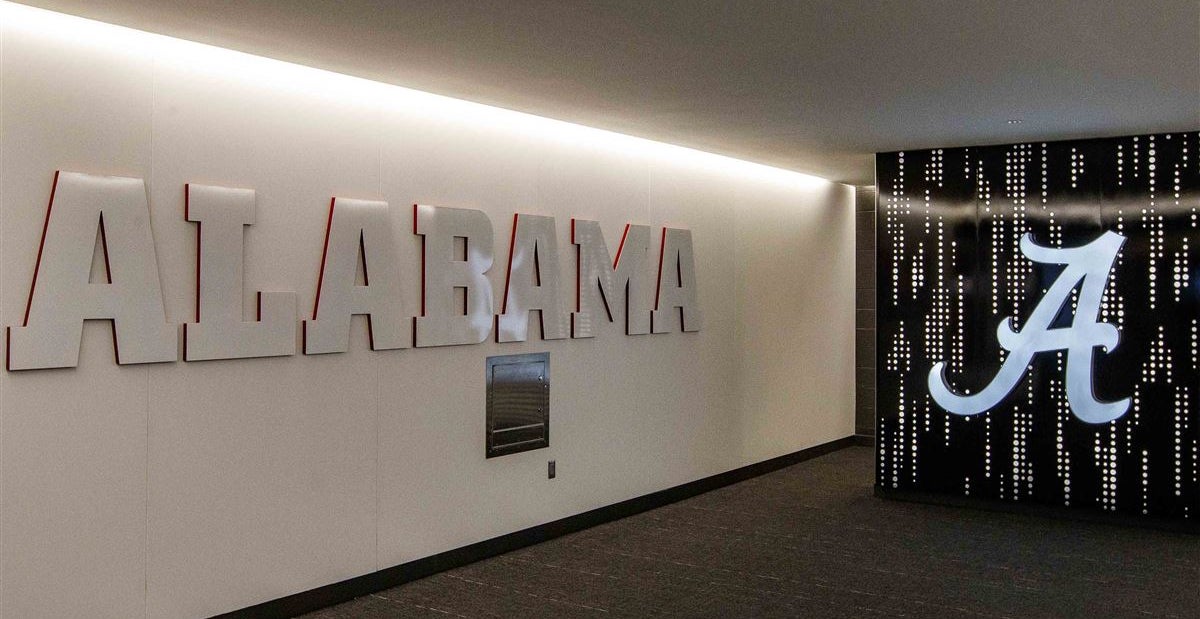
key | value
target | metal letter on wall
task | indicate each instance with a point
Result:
(221, 214)
(1038, 317)
(61, 296)
(532, 282)
(620, 287)
(444, 321)
(1088, 264)
(358, 230)
(676, 284)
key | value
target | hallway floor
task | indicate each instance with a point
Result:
(811, 541)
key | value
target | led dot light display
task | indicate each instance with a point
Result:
(956, 231)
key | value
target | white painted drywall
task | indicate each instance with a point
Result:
(189, 489)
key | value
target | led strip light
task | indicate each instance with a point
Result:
(309, 80)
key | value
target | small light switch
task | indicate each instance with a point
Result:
(550, 469)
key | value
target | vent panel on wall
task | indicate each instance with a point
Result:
(951, 269)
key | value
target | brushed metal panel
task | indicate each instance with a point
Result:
(518, 403)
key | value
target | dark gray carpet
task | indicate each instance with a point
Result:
(812, 541)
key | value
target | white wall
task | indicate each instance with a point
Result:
(189, 489)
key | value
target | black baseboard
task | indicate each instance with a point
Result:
(321, 597)
(1040, 511)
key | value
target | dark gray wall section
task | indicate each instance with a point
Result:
(864, 309)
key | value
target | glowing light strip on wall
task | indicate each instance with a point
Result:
(309, 80)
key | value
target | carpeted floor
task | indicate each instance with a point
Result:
(811, 541)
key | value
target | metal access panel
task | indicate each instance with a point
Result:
(518, 403)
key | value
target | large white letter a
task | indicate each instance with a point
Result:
(61, 296)
(1087, 267)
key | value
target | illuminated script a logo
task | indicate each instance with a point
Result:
(1090, 264)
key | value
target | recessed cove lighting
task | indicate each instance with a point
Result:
(289, 77)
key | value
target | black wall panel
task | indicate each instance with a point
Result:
(950, 269)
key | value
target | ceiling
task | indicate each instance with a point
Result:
(815, 86)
